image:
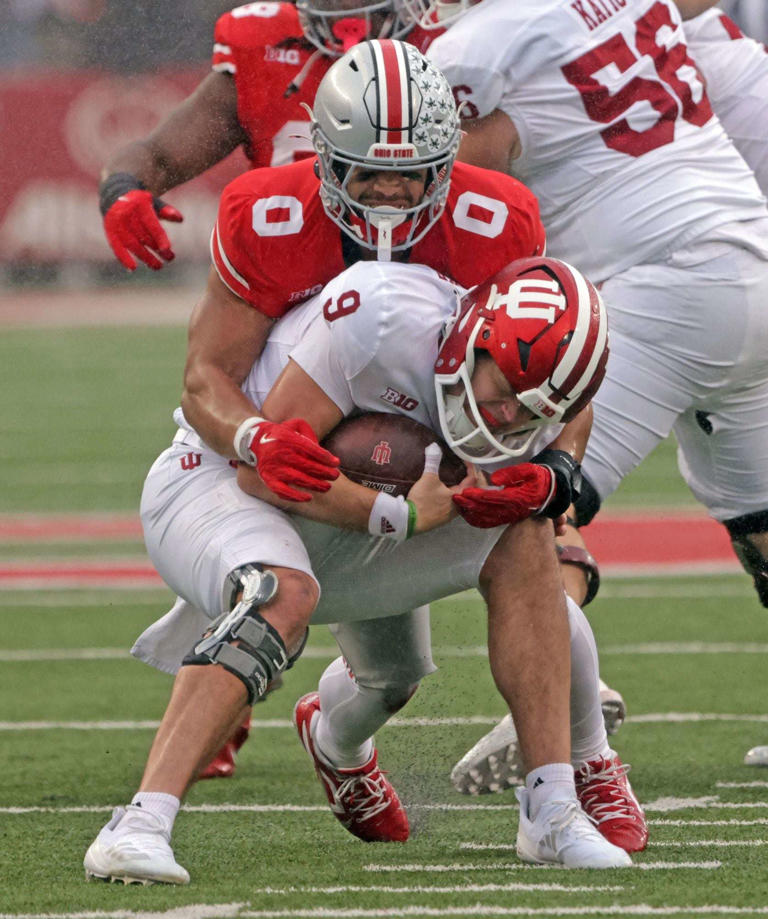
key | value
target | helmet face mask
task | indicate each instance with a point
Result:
(545, 327)
(334, 26)
(383, 107)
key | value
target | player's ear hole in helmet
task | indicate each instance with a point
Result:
(545, 327)
(334, 26)
(384, 107)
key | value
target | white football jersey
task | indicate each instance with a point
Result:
(370, 341)
(736, 70)
(619, 142)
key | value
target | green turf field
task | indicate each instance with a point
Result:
(83, 414)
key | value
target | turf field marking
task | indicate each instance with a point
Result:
(663, 804)
(243, 911)
(699, 843)
(690, 647)
(519, 866)
(741, 784)
(703, 843)
(415, 722)
(52, 596)
(461, 888)
(708, 823)
(329, 652)
(639, 909)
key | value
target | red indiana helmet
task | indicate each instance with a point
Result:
(544, 324)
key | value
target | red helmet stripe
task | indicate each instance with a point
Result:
(394, 99)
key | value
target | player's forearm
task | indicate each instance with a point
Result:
(346, 504)
(194, 137)
(215, 406)
(150, 165)
(574, 436)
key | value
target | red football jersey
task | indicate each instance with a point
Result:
(274, 245)
(262, 46)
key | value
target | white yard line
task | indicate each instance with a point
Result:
(687, 823)
(243, 911)
(699, 843)
(454, 889)
(448, 651)
(662, 804)
(414, 722)
(519, 866)
(741, 784)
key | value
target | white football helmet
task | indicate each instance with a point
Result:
(334, 26)
(432, 14)
(384, 107)
(546, 328)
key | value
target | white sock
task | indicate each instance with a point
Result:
(349, 717)
(588, 737)
(552, 782)
(158, 803)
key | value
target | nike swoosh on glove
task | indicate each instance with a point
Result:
(289, 454)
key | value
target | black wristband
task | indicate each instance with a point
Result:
(567, 473)
(115, 185)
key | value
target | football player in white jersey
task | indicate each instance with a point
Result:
(736, 70)
(599, 108)
(519, 360)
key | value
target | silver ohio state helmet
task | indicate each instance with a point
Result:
(334, 26)
(384, 107)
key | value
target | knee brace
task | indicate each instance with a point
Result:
(242, 641)
(587, 504)
(752, 559)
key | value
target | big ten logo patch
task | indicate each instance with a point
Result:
(382, 454)
(282, 55)
(190, 461)
(400, 399)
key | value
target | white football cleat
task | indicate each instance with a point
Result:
(614, 708)
(493, 764)
(757, 756)
(134, 847)
(562, 834)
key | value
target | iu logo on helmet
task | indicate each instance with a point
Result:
(382, 454)
(190, 461)
(523, 294)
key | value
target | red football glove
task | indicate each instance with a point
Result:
(289, 454)
(526, 490)
(132, 228)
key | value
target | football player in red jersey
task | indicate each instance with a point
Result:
(268, 60)
(282, 233)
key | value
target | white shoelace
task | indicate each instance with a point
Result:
(609, 777)
(371, 791)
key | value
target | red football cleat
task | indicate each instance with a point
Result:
(361, 799)
(607, 797)
(222, 766)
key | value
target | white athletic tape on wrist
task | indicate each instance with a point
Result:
(433, 456)
(242, 439)
(389, 517)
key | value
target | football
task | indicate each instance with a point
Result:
(385, 451)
